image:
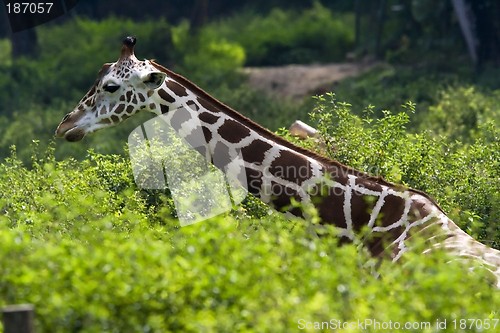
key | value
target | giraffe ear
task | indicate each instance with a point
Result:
(154, 79)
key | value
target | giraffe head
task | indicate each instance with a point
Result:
(120, 90)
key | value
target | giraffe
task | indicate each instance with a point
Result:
(277, 171)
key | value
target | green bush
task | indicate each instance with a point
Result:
(71, 54)
(94, 253)
(461, 177)
(274, 280)
(5, 52)
(37, 93)
(462, 113)
(95, 259)
(448, 103)
(388, 87)
(70, 68)
(284, 37)
(205, 57)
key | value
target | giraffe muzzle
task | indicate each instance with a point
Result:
(68, 130)
(75, 134)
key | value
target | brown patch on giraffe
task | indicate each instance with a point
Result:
(207, 105)
(122, 98)
(208, 118)
(361, 208)
(164, 108)
(291, 167)
(176, 88)
(115, 119)
(165, 96)
(134, 99)
(152, 106)
(329, 202)
(193, 105)
(392, 209)
(254, 181)
(337, 175)
(233, 131)
(379, 244)
(418, 210)
(130, 109)
(128, 96)
(296, 211)
(281, 197)
(141, 97)
(105, 121)
(255, 151)
(207, 133)
(120, 108)
(369, 184)
(91, 91)
(150, 93)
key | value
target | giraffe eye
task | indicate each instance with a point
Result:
(111, 88)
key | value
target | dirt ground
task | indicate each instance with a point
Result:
(298, 81)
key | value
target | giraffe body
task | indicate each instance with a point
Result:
(276, 171)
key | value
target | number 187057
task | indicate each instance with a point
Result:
(475, 323)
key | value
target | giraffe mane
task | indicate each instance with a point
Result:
(219, 106)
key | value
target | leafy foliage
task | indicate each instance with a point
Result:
(284, 37)
(5, 50)
(69, 60)
(37, 93)
(96, 256)
(464, 113)
(462, 177)
(389, 86)
(95, 253)
(208, 58)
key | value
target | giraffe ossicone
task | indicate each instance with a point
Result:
(275, 170)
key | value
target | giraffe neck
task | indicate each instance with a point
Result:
(279, 172)
(276, 170)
